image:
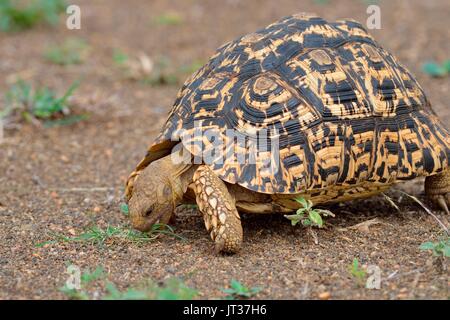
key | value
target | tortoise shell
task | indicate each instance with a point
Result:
(341, 109)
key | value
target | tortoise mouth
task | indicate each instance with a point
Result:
(144, 220)
(151, 217)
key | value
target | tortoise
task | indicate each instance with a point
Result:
(301, 108)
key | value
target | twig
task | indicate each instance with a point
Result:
(396, 273)
(314, 235)
(391, 202)
(362, 226)
(427, 211)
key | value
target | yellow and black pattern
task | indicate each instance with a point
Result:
(343, 110)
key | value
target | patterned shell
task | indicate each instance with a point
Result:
(343, 110)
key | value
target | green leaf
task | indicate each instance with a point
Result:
(355, 264)
(446, 65)
(446, 251)
(306, 222)
(236, 285)
(427, 246)
(433, 69)
(88, 277)
(315, 217)
(68, 93)
(114, 293)
(133, 294)
(303, 202)
(119, 57)
(237, 290)
(124, 208)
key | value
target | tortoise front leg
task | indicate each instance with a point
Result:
(437, 188)
(219, 211)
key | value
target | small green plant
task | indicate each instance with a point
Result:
(33, 105)
(440, 248)
(434, 69)
(124, 209)
(168, 19)
(171, 289)
(19, 15)
(71, 51)
(307, 215)
(238, 291)
(358, 273)
(86, 278)
(99, 236)
(119, 57)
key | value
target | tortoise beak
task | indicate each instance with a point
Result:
(143, 218)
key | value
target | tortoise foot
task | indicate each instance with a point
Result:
(219, 211)
(437, 189)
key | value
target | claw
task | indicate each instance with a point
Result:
(442, 203)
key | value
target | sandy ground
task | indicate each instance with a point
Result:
(40, 167)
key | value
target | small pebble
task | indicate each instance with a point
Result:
(325, 295)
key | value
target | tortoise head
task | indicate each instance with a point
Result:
(151, 198)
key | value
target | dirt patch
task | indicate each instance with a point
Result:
(65, 179)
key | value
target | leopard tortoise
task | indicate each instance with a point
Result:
(302, 108)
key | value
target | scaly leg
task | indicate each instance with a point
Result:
(437, 188)
(219, 211)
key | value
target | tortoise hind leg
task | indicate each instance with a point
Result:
(437, 188)
(219, 211)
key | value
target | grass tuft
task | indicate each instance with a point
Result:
(358, 273)
(440, 248)
(86, 278)
(71, 51)
(99, 236)
(22, 102)
(238, 291)
(171, 289)
(21, 15)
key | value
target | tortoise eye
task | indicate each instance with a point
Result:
(148, 212)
